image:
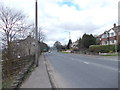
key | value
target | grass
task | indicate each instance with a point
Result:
(7, 83)
(65, 52)
(0, 75)
(111, 55)
(100, 55)
(0, 86)
(0, 82)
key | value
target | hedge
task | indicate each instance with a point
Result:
(104, 48)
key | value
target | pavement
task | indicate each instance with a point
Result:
(39, 77)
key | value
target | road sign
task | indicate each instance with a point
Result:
(44, 49)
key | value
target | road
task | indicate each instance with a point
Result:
(83, 71)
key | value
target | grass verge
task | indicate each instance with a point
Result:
(65, 52)
(111, 55)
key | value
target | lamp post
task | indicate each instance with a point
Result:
(116, 41)
(36, 34)
(69, 34)
(116, 38)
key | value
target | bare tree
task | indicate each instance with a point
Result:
(12, 24)
(41, 35)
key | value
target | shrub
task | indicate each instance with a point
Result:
(102, 48)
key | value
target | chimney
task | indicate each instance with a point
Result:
(114, 25)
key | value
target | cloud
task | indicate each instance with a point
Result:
(93, 17)
(75, 16)
(69, 3)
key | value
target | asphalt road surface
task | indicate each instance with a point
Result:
(83, 71)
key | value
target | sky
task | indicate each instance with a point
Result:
(59, 17)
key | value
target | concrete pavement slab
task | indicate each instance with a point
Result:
(39, 77)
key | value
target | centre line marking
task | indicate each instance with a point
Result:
(86, 62)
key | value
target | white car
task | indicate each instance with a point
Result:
(49, 51)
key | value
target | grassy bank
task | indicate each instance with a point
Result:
(111, 55)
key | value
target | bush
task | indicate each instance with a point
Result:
(102, 48)
(118, 48)
(75, 49)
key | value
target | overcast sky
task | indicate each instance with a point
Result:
(59, 17)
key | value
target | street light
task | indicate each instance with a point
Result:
(115, 29)
(69, 34)
(36, 34)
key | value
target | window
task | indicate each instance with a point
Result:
(112, 41)
(105, 42)
(112, 34)
(119, 33)
(33, 43)
(104, 36)
(18, 43)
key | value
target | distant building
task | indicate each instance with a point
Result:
(74, 45)
(43, 47)
(27, 47)
(111, 36)
(23, 47)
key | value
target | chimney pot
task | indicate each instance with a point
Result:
(114, 25)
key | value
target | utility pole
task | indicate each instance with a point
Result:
(36, 34)
(116, 30)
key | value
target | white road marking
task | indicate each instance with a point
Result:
(86, 62)
(105, 66)
(96, 64)
(91, 63)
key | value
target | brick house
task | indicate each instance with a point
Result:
(111, 36)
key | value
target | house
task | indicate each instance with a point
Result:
(74, 45)
(43, 47)
(23, 47)
(110, 36)
(27, 47)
